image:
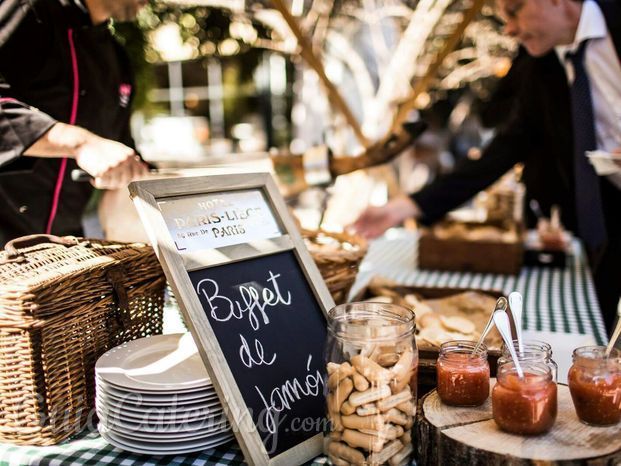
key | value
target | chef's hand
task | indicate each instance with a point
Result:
(376, 220)
(111, 164)
(617, 151)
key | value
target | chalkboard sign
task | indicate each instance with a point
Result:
(258, 310)
(254, 301)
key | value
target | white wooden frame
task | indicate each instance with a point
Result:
(145, 195)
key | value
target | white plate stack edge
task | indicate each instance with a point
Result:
(154, 397)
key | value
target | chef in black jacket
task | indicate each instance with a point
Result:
(65, 95)
(571, 43)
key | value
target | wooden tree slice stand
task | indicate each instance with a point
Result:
(469, 436)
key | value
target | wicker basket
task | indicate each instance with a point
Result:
(338, 256)
(63, 303)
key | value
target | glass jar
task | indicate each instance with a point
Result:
(532, 350)
(528, 405)
(595, 385)
(372, 364)
(463, 376)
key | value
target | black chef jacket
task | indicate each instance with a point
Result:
(54, 66)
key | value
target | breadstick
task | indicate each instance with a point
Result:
(341, 393)
(394, 400)
(345, 452)
(370, 395)
(404, 364)
(347, 409)
(406, 438)
(337, 425)
(360, 382)
(362, 440)
(397, 385)
(387, 359)
(409, 424)
(389, 432)
(363, 422)
(395, 416)
(331, 367)
(376, 459)
(407, 407)
(367, 409)
(338, 461)
(344, 370)
(371, 370)
(335, 436)
(401, 455)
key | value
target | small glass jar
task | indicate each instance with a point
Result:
(528, 405)
(532, 350)
(372, 364)
(463, 376)
(595, 385)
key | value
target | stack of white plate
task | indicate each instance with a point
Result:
(154, 397)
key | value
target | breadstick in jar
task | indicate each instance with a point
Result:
(331, 367)
(338, 461)
(371, 370)
(407, 407)
(387, 359)
(345, 452)
(401, 455)
(341, 393)
(363, 422)
(345, 370)
(367, 409)
(358, 439)
(376, 459)
(370, 395)
(360, 382)
(395, 416)
(347, 409)
(394, 400)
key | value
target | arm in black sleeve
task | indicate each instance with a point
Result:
(450, 191)
(512, 143)
(20, 127)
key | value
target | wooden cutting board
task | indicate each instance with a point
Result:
(469, 436)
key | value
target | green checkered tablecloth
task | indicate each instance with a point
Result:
(556, 300)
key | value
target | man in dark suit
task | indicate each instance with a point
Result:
(569, 102)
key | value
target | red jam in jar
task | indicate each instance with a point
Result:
(528, 405)
(463, 377)
(595, 385)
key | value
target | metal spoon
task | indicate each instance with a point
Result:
(501, 320)
(501, 305)
(616, 333)
(515, 301)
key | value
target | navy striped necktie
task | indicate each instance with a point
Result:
(589, 210)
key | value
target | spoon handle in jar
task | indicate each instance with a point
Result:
(501, 305)
(501, 320)
(515, 302)
(616, 333)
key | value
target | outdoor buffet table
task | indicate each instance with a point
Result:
(555, 300)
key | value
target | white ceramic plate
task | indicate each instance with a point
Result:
(151, 417)
(125, 406)
(157, 363)
(187, 391)
(139, 399)
(170, 437)
(152, 397)
(169, 449)
(155, 427)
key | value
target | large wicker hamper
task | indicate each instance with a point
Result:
(63, 303)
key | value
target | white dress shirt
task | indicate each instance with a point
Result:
(604, 70)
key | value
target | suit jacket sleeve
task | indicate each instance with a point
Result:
(20, 124)
(510, 146)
